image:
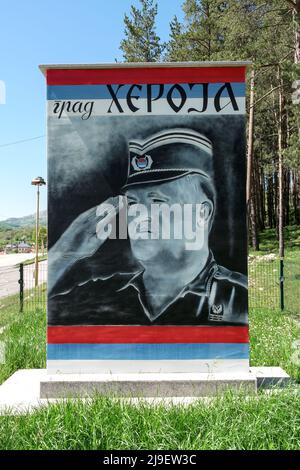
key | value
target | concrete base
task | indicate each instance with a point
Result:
(145, 385)
(268, 377)
(28, 389)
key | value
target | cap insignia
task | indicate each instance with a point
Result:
(141, 162)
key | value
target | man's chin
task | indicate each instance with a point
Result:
(145, 250)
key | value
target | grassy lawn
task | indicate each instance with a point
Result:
(232, 422)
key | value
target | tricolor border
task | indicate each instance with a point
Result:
(147, 348)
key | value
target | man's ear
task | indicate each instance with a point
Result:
(205, 213)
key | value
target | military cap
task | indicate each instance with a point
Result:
(167, 155)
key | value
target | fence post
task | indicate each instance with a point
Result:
(281, 284)
(21, 282)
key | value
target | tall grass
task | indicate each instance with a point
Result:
(231, 422)
(25, 342)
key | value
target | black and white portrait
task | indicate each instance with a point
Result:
(147, 222)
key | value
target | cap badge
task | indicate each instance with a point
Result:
(143, 162)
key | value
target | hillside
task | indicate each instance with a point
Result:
(26, 221)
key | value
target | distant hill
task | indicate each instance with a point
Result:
(26, 221)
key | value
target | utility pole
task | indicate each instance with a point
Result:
(38, 181)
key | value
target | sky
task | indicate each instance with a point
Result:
(34, 32)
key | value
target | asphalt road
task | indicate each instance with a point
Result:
(9, 277)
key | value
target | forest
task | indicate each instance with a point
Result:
(267, 33)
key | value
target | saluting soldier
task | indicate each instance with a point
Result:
(176, 280)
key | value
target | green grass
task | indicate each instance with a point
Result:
(268, 242)
(231, 422)
(272, 340)
(24, 337)
(8, 309)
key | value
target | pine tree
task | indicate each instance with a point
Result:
(267, 34)
(200, 36)
(141, 43)
(177, 46)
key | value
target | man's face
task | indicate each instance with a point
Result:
(163, 218)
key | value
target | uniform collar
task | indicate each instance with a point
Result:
(200, 285)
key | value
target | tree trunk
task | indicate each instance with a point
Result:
(250, 138)
(296, 197)
(280, 166)
(270, 201)
(250, 193)
(262, 199)
(286, 197)
(296, 22)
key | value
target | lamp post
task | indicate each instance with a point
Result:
(38, 181)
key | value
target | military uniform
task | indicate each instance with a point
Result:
(217, 296)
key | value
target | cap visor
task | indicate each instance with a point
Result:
(158, 177)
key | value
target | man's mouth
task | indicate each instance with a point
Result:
(145, 226)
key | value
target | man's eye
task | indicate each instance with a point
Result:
(131, 203)
(157, 200)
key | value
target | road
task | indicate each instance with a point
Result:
(9, 273)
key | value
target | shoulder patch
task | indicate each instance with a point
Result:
(231, 276)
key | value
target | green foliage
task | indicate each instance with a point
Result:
(176, 48)
(15, 235)
(141, 43)
(267, 34)
(202, 29)
(10, 235)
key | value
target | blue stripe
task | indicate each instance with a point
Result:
(149, 351)
(87, 92)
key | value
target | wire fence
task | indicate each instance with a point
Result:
(33, 290)
(292, 285)
(17, 284)
(264, 281)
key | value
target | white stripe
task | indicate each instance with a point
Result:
(169, 137)
(161, 107)
(141, 366)
(187, 170)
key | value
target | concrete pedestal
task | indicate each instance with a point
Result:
(145, 385)
(28, 389)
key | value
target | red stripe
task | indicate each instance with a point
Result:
(145, 75)
(147, 334)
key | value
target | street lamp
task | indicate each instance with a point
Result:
(38, 181)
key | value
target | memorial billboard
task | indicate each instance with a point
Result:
(147, 218)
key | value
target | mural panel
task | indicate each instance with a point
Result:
(147, 219)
